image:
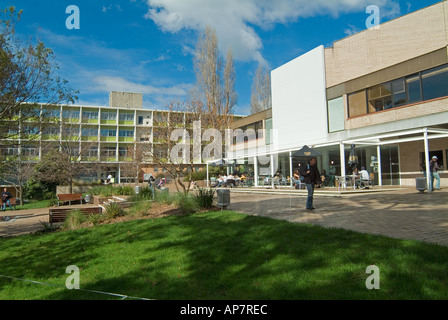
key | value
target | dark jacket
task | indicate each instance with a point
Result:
(6, 195)
(313, 176)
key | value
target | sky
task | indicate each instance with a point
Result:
(147, 46)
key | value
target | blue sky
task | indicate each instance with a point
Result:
(147, 45)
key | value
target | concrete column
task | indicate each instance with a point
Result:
(380, 173)
(342, 155)
(428, 173)
(290, 168)
(256, 171)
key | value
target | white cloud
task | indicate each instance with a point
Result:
(234, 20)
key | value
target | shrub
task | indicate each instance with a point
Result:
(188, 204)
(95, 218)
(205, 197)
(74, 220)
(144, 194)
(47, 228)
(166, 197)
(125, 191)
(114, 210)
(140, 208)
(196, 176)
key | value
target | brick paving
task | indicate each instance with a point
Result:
(401, 214)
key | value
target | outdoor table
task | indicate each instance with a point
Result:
(353, 178)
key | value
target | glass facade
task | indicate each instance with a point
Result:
(423, 86)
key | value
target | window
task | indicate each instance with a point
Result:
(414, 88)
(336, 115)
(108, 132)
(92, 152)
(50, 131)
(12, 151)
(435, 83)
(399, 92)
(357, 104)
(89, 132)
(108, 115)
(90, 115)
(122, 152)
(70, 114)
(126, 117)
(140, 119)
(51, 113)
(126, 133)
(29, 151)
(110, 151)
(380, 97)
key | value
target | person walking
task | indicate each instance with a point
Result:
(312, 177)
(5, 199)
(434, 168)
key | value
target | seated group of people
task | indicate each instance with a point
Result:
(230, 180)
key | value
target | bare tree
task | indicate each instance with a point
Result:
(16, 172)
(137, 155)
(261, 98)
(214, 95)
(65, 158)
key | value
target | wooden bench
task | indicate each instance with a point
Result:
(59, 215)
(69, 197)
(12, 201)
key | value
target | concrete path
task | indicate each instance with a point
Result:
(404, 213)
(18, 222)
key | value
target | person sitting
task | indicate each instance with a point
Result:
(364, 178)
(193, 185)
(296, 179)
(237, 180)
(324, 177)
(221, 181)
(230, 181)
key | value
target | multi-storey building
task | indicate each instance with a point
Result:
(107, 137)
(383, 90)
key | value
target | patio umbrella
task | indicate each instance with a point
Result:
(306, 152)
(353, 158)
(218, 163)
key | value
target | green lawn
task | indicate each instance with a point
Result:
(221, 255)
(33, 205)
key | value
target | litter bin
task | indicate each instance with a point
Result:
(420, 184)
(137, 189)
(223, 197)
(87, 198)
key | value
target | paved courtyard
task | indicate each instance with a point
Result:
(402, 213)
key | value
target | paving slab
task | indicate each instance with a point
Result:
(403, 213)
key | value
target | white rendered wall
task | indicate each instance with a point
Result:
(299, 106)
